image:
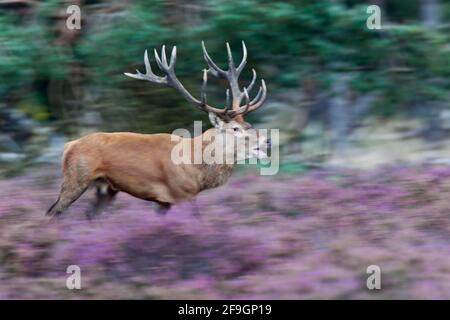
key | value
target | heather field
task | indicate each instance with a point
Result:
(310, 235)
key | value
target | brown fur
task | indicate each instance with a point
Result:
(138, 164)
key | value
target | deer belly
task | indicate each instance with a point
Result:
(140, 185)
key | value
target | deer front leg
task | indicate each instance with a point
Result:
(195, 209)
(105, 195)
(163, 208)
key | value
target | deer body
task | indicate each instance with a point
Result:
(142, 165)
(142, 168)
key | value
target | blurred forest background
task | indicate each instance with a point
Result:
(364, 119)
(351, 95)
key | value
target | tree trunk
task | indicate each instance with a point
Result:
(339, 112)
(430, 13)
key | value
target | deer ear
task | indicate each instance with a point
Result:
(216, 121)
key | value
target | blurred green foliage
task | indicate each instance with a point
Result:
(289, 42)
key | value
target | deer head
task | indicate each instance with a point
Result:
(229, 121)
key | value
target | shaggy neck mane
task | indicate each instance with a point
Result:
(212, 175)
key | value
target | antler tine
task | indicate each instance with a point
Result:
(148, 67)
(244, 59)
(258, 96)
(158, 60)
(230, 59)
(256, 103)
(173, 58)
(252, 83)
(244, 109)
(247, 101)
(149, 75)
(205, 81)
(227, 101)
(227, 108)
(138, 75)
(163, 56)
(211, 64)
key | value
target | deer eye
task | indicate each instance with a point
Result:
(235, 129)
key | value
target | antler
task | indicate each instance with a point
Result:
(232, 76)
(232, 109)
(171, 80)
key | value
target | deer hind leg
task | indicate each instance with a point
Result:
(67, 196)
(104, 196)
(73, 186)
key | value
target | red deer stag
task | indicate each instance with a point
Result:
(141, 164)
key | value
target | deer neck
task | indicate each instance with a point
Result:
(212, 175)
